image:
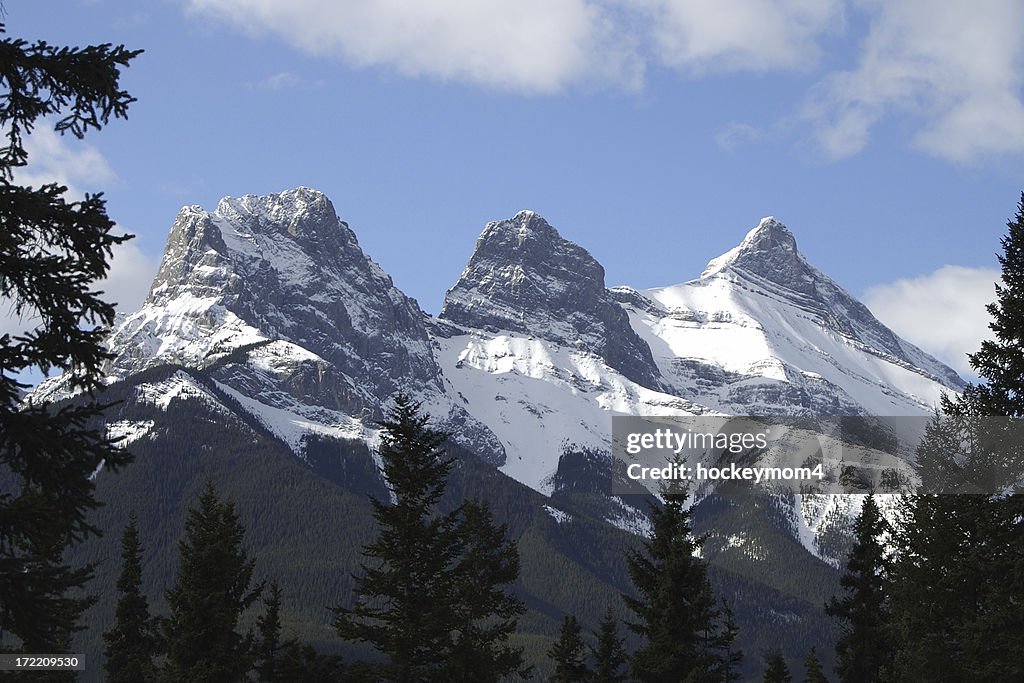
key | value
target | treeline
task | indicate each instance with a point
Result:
(934, 591)
(432, 597)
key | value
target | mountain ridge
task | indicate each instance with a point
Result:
(271, 307)
(531, 355)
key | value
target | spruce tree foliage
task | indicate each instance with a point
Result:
(301, 662)
(52, 252)
(403, 597)
(284, 661)
(955, 607)
(268, 632)
(864, 649)
(133, 642)
(569, 653)
(432, 596)
(212, 590)
(1001, 360)
(813, 672)
(944, 454)
(775, 668)
(729, 658)
(959, 575)
(675, 608)
(485, 612)
(610, 656)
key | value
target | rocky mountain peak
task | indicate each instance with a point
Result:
(769, 262)
(284, 267)
(769, 250)
(526, 243)
(525, 277)
(303, 214)
(769, 236)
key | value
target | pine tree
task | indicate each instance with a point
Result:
(485, 612)
(775, 668)
(431, 596)
(993, 639)
(52, 252)
(864, 647)
(569, 654)
(212, 590)
(675, 606)
(728, 657)
(299, 662)
(812, 668)
(403, 597)
(941, 583)
(268, 631)
(133, 642)
(959, 573)
(1001, 360)
(609, 654)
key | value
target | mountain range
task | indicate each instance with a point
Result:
(268, 330)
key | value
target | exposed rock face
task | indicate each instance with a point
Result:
(524, 277)
(280, 267)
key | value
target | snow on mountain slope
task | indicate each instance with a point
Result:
(764, 332)
(537, 397)
(525, 277)
(282, 266)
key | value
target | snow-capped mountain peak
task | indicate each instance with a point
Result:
(763, 330)
(277, 267)
(525, 277)
(768, 251)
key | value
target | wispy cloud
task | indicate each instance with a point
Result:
(954, 70)
(740, 35)
(942, 312)
(279, 81)
(733, 135)
(529, 46)
(65, 160)
(81, 168)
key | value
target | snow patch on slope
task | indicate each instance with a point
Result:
(537, 396)
(179, 386)
(560, 516)
(291, 426)
(126, 432)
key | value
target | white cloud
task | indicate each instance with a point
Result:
(65, 160)
(280, 81)
(130, 276)
(81, 167)
(530, 46)
(127, 284)
(741, 35)
(735, 134)
(942, 312)
(955, 68)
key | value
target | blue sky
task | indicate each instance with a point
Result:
(889, 136)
